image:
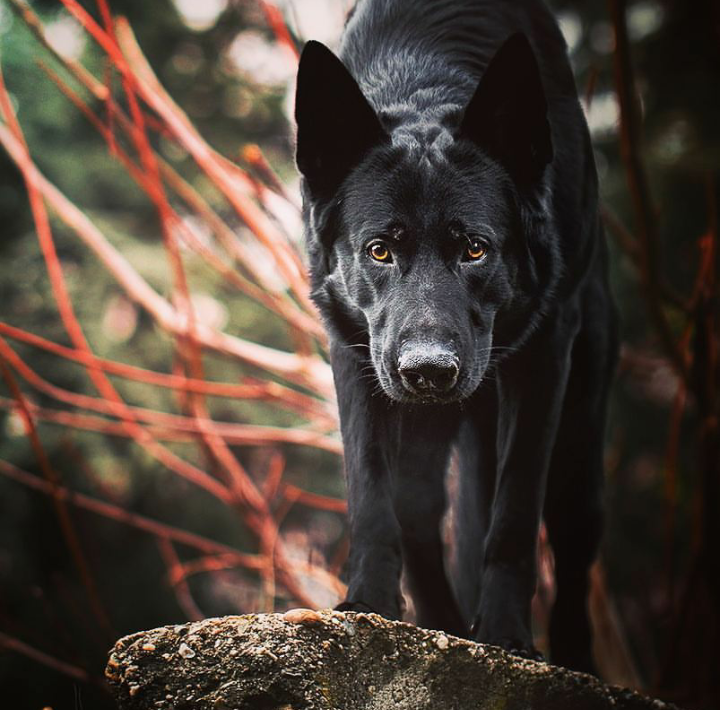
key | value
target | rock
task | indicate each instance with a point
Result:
(307, 660)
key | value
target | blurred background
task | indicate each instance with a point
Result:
(168, 439)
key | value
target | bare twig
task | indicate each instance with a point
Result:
(66, 524)
(134, 520)
(178, 581)
(308, 371)
(307, 406)
(170, 427)
(12, 644)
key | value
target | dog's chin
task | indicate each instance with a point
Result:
(397, 393)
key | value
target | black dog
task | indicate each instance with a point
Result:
(451, 210)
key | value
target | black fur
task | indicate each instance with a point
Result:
(451, 211)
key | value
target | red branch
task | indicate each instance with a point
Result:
(149, 108)
(12, 644)
(66, 524)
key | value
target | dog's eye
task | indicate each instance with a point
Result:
(379, 252)
(476, 250)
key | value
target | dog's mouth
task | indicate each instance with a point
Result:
(398, 393)
(412, 398)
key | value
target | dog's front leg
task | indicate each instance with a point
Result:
(531, 388)
(375, 563)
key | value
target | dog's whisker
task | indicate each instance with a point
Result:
(357, 345)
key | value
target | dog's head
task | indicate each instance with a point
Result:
(418, 220)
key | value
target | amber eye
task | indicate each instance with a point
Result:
(380, 252)
(476, 250)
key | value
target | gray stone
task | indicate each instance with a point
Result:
(329, 660)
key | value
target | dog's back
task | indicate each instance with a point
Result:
(396, 47)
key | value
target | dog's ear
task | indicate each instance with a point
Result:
(507, 115)
(336, 125)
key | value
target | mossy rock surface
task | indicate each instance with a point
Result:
(306, 660)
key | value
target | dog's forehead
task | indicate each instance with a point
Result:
(415, 184)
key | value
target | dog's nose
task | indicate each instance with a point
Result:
(426, 369)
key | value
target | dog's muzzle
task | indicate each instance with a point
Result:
(428, 369)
